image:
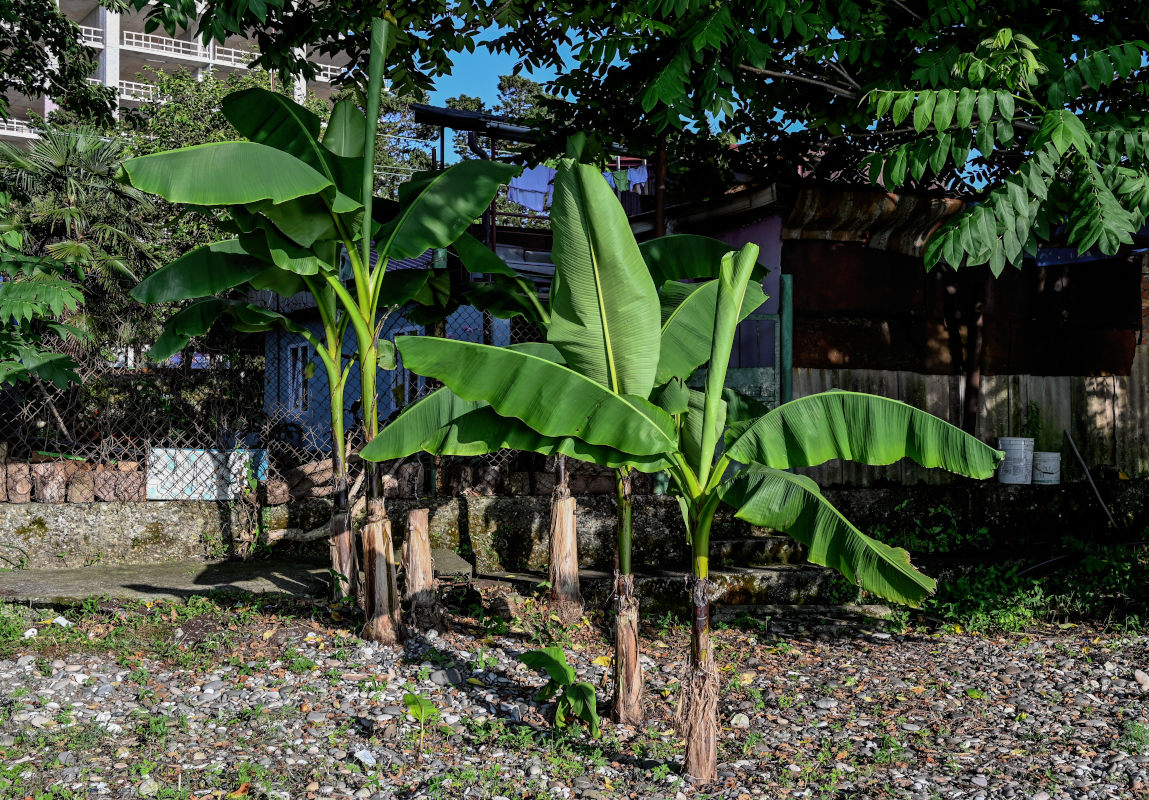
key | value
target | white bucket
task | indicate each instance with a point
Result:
(1046, 468)
(1018, 464)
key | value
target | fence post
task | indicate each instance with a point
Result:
(786, 315)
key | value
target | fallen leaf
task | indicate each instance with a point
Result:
(602, 661)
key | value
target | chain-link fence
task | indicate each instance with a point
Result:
(235, 418)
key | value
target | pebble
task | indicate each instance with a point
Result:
(333, 735)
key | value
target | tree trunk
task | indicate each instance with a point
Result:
(344, 555)
(565, 597)
(627, 708)
(421, 596)
(697, 716)
(382, 606)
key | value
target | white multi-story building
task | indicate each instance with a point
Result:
(128, 55)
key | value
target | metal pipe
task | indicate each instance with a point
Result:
(1089, 477)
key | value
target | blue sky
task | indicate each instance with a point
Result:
(477, 74)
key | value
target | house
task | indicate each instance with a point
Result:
(1055, 347)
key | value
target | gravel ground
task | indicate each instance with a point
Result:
(290, 707)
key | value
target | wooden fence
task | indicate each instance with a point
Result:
(1108, 417)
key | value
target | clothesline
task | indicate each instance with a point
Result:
(534, 188)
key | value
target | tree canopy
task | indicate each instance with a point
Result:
(43, 54)
(1038, 109)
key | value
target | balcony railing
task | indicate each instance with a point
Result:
(164, 44)
(233, 57)
(16, 128)
(92, 35)
(134, 90)
(328, 72)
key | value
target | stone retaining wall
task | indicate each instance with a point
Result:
(509, 533)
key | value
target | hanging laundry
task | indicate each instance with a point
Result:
(609, 177)
(637, 177)
(621, 179)
(534, 189)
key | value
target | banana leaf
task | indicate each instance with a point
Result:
(688, 327)
(550, 398)
(683, 256)
(435, 208)
(604, 307)
(444, 424)
(794, 504)
(205, 271)
(276, 120)
(857, 427)
(226, 174)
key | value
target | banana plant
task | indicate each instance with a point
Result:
(301, 198)
(609, 388)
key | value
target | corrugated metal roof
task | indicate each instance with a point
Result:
(896, 223)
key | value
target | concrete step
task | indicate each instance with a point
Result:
(839, 611)
(666, 590)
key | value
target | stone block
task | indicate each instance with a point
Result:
(277, 492)
(19, 481)
(49, 481)
(518, 484)
(410, 478)
(311, 480)
(131, 487)
(104, 483)
(544, 483)
(82, 486)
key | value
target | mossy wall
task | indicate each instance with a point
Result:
(507, 534)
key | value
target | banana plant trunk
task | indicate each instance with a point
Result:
(344, 558)
(341, 541)
(698, 708)
(382, 599)
(627, 669)
(565, 597)
(421, 595)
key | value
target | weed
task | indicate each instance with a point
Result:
(1135, 737)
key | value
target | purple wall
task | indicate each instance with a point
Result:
(754, 346)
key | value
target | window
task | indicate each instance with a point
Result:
(299, 371)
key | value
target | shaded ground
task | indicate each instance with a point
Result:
(260, 697)
(165, 581)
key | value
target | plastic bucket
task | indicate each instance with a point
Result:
(1046, 468)
(1018, 464)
